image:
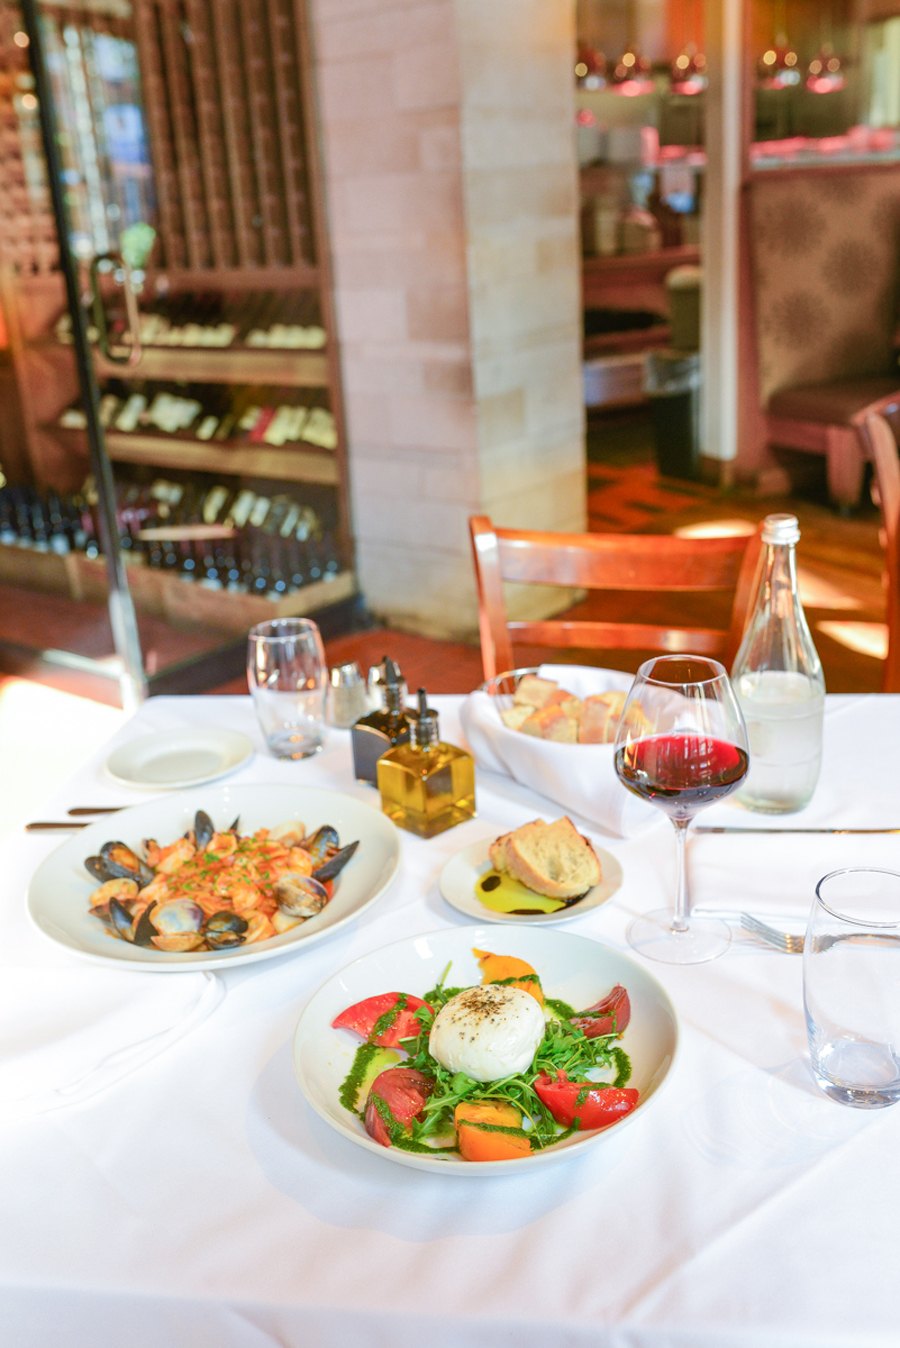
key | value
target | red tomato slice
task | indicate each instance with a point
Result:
(583, 1103)
(364, 1016)
(608, 1016)
(402, 1093)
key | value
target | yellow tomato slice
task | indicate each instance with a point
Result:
(476, 1122)
(508, 969)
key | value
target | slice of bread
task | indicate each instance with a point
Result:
(533, 691)
(551, 723)
(600, 717)
(552, 859)
(514, 716)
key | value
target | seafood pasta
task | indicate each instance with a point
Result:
(215, 890)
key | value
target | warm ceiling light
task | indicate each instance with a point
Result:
(778, 68)
(825, 74)
(590, 68)
(688, 72)
(21, 39)
(631, 74)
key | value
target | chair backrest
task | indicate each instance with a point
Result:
(648, 563)
(886, 462)
(824, 247)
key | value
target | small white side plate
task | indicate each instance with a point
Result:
(463, 871)
(180, 758)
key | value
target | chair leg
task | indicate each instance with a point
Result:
(846, 461)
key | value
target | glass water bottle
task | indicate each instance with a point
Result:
(778, 678)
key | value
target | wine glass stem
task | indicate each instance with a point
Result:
(681, 916)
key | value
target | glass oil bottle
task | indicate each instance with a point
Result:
(383, 728)
(426, 786)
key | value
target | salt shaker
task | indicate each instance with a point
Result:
(347, 696)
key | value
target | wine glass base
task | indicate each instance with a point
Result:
(653, 935)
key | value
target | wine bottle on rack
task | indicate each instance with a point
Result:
(229, 426)
(259, 335)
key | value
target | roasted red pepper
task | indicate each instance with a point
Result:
(584, 1103)
(608, 1016)
(385, 1019)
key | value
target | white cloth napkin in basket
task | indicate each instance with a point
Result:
(112, 1023)
(580, 777)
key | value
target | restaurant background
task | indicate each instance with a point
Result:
(391, 265)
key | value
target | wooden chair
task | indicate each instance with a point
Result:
(886, 463)
(614, 563)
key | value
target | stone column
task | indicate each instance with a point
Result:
(451, 188)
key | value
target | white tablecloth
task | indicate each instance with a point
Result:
(197, 1200)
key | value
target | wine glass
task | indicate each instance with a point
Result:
(682, 745)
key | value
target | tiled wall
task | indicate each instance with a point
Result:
(448, 144)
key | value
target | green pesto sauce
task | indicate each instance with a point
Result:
(511, 982)
(368, 1061)
(493, 1128)
(385, 1021)
(623, 1066)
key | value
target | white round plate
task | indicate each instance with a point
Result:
(177, 759)
(59, 891)
(462, 872)
(572, 968)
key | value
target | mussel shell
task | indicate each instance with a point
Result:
(223, 940)
(144, 930)
(97, 868)
(336, 863)
(120, 920)
(319, 844)
(225, 930)
(204, 828)
(123, 864)
(226, 921)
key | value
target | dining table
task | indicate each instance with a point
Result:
(166, 1182)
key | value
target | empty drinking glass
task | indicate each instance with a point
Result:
(851, 986)
(287, 676)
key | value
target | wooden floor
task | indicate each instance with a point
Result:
(840, 569)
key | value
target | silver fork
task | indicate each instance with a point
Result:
(785, 941)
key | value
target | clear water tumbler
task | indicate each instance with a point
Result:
(287, 676)
(851, 986)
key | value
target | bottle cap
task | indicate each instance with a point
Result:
(780, 529)
(423, 729)
(347, 675)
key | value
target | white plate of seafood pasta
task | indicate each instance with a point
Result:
(175, 760)
(205, 879)
(572, 970)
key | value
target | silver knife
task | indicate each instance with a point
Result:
(736, 828)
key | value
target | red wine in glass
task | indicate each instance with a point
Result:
(681, 773)
(681, 745)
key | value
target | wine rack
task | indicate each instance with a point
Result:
(245, 545)
(238, 383)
